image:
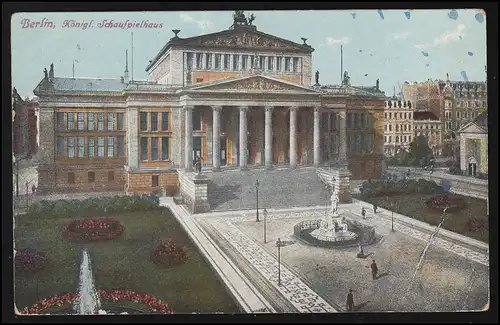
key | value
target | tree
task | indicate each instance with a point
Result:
(420, 153)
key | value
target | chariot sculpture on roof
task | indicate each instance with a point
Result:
(241, 20)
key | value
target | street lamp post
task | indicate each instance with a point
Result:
(278, 244)
(257, 192)
(265, 219)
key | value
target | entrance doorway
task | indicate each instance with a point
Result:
(223, 145)
(472, 166)
(197, 147)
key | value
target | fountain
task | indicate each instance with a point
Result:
(333, 227)
(88, 301)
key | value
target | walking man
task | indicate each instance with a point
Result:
(350, 301)
(374, 270)
(375, 208)
(363, 213)
(33, 188)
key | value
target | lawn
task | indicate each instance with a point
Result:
(122, 263)
(414, 206)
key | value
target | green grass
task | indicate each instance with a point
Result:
(414, 206)
(122, 263)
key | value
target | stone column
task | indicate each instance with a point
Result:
(189, 139)
(243, 137)
(132, 137)
(216, 137)
(293, 137)
(342, 115)
(316, 138)
(268, 136)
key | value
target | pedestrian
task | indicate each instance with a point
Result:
(375, 208)
(33, 188)
(350, 301)
(363, 213)
(361, 254)
(374, 270)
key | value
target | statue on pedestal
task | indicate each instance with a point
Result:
(317, 77)
(334, 199)
(347, 80)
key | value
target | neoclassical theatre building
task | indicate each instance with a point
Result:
(236, 98)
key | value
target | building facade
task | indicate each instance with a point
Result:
(25, 126)
(474, 146)
(398, 126)
(236, 98)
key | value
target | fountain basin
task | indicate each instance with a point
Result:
(311, 233)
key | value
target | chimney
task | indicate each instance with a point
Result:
(126, 77)
(51, 72)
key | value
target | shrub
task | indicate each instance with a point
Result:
(169, 252)
(94, 229)
(392, 186)
(455, 170)
(441, 201)
(92, 206)
(29, 260)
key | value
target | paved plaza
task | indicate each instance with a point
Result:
(450, 278)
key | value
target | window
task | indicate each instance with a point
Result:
(80, 121)
(244, 60)
(252, 59)
(119, 121)
(349, 119)
(295, 64)
(390, 127)
(369, 121)
(227, 61)
(356, 142)
(405, 116)
(385, 127)
(262, 60)
(100, 146)
(154, 148)
(144, 148)
(70, 121)
(60, 146)
(100, 121)
(458, 114)
(217, 61)
(390, 138)
(278, 63)
(71, 147)
(404, 138)
(235, 62)
(111, 176)
(71, 178)
(334, 144)
(208, 61)
(333, 121)
(111, 121)
(390, 115)
(111, 146)
(356, 120)
(405, 126)
(287, 64)
(90, 121)
(164, 121)
(362, 116)
(154, 180)
(144, 121)
(369, 143)
(154, 121)
(60, 120)
(397, 139)
(397, 127)
(385, 138)
(91, 148)
(119, 149)
(400, 114)
(91, 177)
(164, 148)
(196, 120)
(270, 62)
(80, 143)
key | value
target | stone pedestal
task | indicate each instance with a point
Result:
(342, 183)
(194, 191)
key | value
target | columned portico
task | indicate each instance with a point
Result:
(189, 138)
(216, 137)
(268, 151)
(316, 138)
(293, 137)
(243, 137)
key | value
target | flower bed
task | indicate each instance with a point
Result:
(169, 253)
(442, 201)
(94, 229)
(29, 261)
(477, 224)
(157, 306)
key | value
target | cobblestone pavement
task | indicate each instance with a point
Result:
(292, 288)
(440, 286)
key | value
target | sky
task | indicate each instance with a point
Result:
(404, 45)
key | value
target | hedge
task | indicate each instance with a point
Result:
(399, 187)
(92, 206)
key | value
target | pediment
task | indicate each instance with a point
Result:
(472, 128)
(256, 83)
(245, 38)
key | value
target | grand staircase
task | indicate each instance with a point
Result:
(278, 188)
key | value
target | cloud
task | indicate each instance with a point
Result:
(203, 24)
(446, 38)
(332, 41)
(402, 35)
